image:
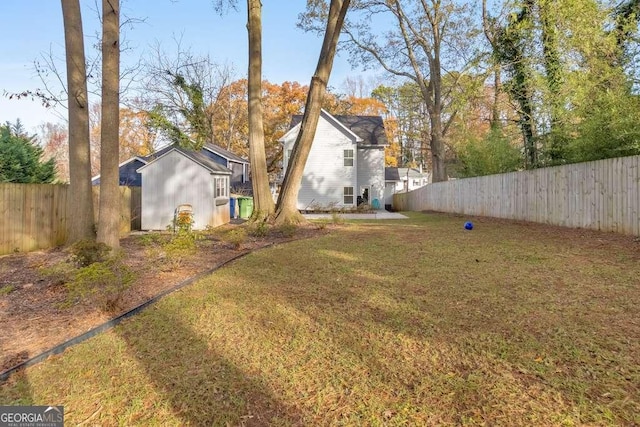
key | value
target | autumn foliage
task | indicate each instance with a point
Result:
(230, 130)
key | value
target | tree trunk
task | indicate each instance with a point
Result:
(287, 209)
(435, 115)
(80, 198)
(437, 148)
(262, 199)
(495, 108)
(109, 215)
(489, 27)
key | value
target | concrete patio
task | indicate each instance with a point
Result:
(375, 215)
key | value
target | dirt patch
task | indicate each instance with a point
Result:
(33, 313)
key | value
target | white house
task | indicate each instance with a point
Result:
(182, 177)
(398, 180)
(346, 163)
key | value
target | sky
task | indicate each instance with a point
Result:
(33, 28)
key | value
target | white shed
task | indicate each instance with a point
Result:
(180, 177)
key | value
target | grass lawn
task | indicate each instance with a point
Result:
(414, 322)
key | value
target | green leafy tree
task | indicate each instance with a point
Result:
(511, 45)
(612, 128)
(491, 155)
(21, 158)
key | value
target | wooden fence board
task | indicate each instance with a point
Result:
(601, 195)
(35, 216)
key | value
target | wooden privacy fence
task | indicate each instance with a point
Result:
(35, 216)
(601, 195)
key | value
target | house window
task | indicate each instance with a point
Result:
(348, 158)
(221, 187)
(348, 195)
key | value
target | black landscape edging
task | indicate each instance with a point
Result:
(113, 322)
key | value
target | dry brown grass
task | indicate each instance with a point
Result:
(416, 322)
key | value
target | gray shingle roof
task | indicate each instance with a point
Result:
(225, 153)
(205, 161)
(196, 156)
(211, 147)
(391, 174)
(369, 128)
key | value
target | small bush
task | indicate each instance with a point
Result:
(6, 290)
(150, 239)
(183, 222)
(101, 283)
(87, 252)
(181, 245)
(364, 208)
(259, 229)
(236, 237)
(288, 230)
(59, 273)
(321, 224)
(336, 218)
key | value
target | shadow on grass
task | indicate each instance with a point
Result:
(201, 387)
(493, 328)
(22, 393)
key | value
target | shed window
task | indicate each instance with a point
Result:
(221, 187)
(348, 195)
(348, 157)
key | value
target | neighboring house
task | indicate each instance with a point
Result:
(238, 166)
(346, 162)
(398, 180)
(180, 177)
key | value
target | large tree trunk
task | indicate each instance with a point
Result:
(287, 209)
(490, 32)
(262, 198)
(109, 215)
(80, 225)
(437, 148)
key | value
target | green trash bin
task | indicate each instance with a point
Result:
(245, 206)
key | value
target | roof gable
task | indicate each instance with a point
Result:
(209, 147)
(224, 153)
(368, 130)
(195, 156)
(141, 159)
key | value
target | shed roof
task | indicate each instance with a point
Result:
(196, 156)
(210, 147)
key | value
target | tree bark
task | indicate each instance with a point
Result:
(439, 172)
(287, 209)
(262, 198)
(109, 215)
(490, 32)
(80, 205)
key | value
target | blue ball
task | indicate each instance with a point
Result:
(468, 225)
